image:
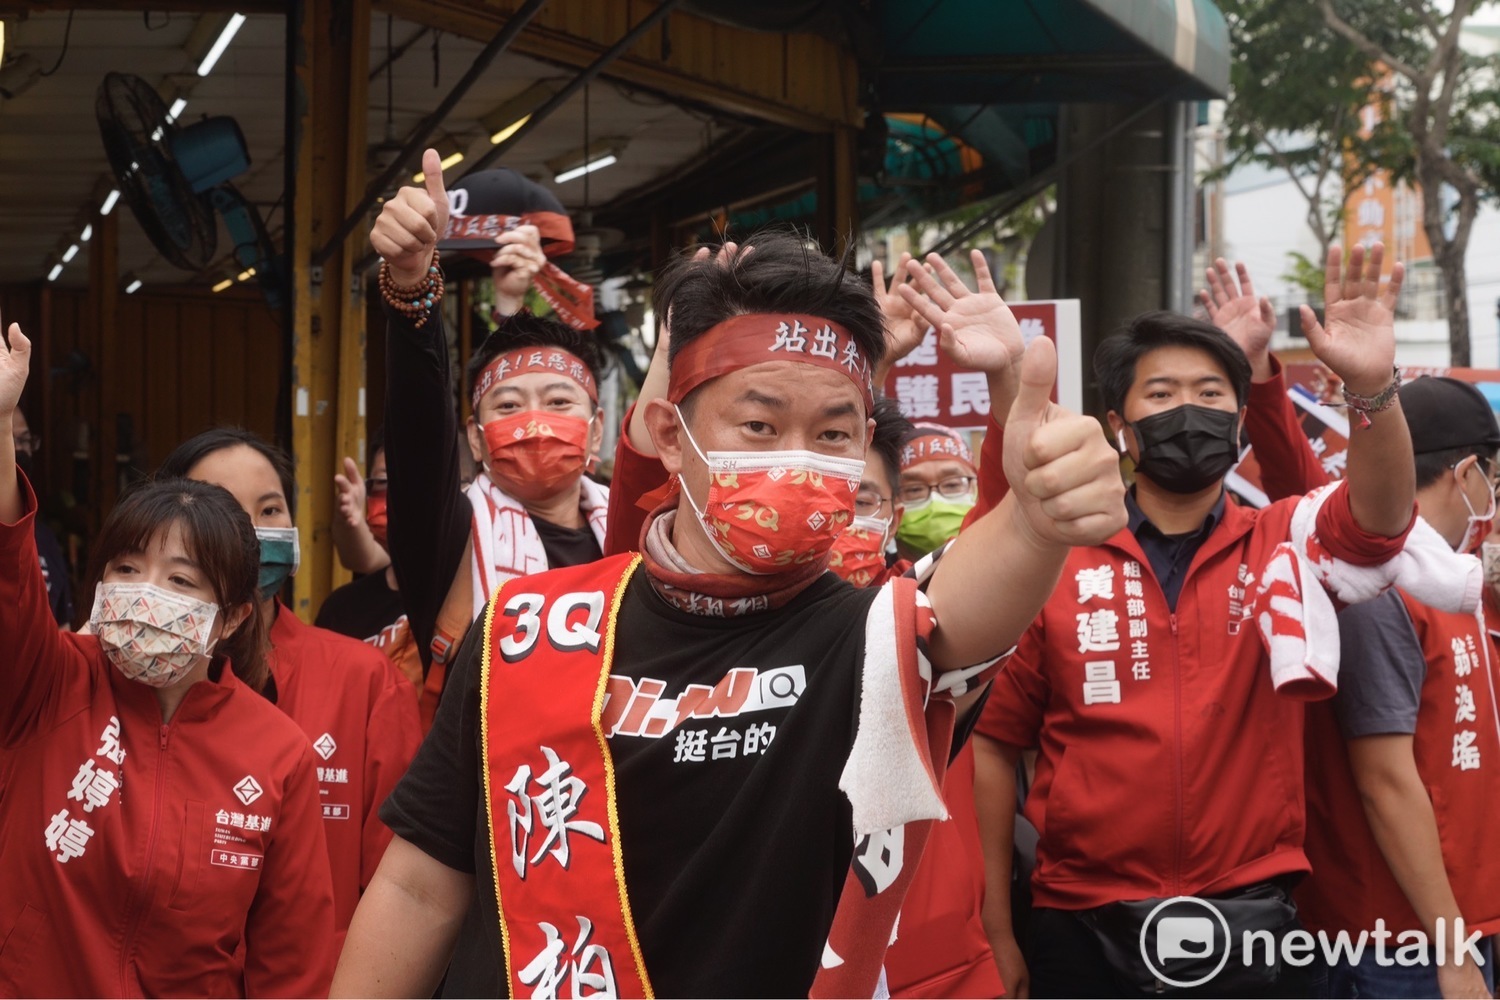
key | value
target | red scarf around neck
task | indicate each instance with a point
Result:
(715, 595)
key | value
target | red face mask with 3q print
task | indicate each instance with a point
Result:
(769, 511)
(533, 453)
(859, 554)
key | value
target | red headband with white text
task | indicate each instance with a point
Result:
(527, 360)
(571, 299)
(743, 341)
(933, 442)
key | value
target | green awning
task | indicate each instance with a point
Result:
(1014, 51)
(1190, 33)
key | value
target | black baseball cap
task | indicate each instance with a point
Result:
(1446, 413)
(492, 195)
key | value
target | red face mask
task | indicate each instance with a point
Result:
(375, 517)
(532, 454)
(768, 511)
(859, 554)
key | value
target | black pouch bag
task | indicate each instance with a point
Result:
(1187, 943)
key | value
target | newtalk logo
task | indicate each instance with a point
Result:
(1192, 944)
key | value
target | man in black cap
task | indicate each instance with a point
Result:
(534, 425)
(1404, 764)
(531, 507)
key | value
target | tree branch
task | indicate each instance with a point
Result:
(1282, 160)
(1368, 47)
(1314, 198)
(1450, 58)
(1433, 25)
(1442, 112)
(1448, 43)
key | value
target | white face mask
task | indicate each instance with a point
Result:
(152, 635)
(1480, 525)
(875, 525)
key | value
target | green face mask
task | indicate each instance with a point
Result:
(280, 553)
(929, 526)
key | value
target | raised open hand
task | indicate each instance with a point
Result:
(1062, 472)
(15, 364)
(351, 489)
(975, 328)
(1358, 337)
(1234, 308)
(904, 329)
(409, 226)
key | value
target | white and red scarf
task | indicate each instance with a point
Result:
(506, 543)
(1303, 585)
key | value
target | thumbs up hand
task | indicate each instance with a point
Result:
(1064, 475)
(15, 365)
(407, 232)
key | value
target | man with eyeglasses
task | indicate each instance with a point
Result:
(861, 554)
(937, 488)
(49, 550)
(1403, 795)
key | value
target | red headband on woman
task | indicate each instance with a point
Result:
(525, 361)
(743, 341)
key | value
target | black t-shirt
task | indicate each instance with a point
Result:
(735, 835)
(567, 546)
(363, 609)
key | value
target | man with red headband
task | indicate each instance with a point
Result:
(941, 947)
(532, 389)
(862, 555)
(938, 487)
(710, 769)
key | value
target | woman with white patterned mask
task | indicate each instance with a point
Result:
(142, 767)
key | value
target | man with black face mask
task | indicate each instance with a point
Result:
(49, 551)
(1169, 740)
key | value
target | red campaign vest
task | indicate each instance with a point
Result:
(941, 949)
(565, 921)
(1351, 884)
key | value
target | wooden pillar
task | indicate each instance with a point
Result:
(328, 337)
(838, 189)
(104, 295)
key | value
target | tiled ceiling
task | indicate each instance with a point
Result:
(52, 161)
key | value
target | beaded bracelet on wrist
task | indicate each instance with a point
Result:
(415, 302)
(1378, 403)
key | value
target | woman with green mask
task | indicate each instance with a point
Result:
(938, 482)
